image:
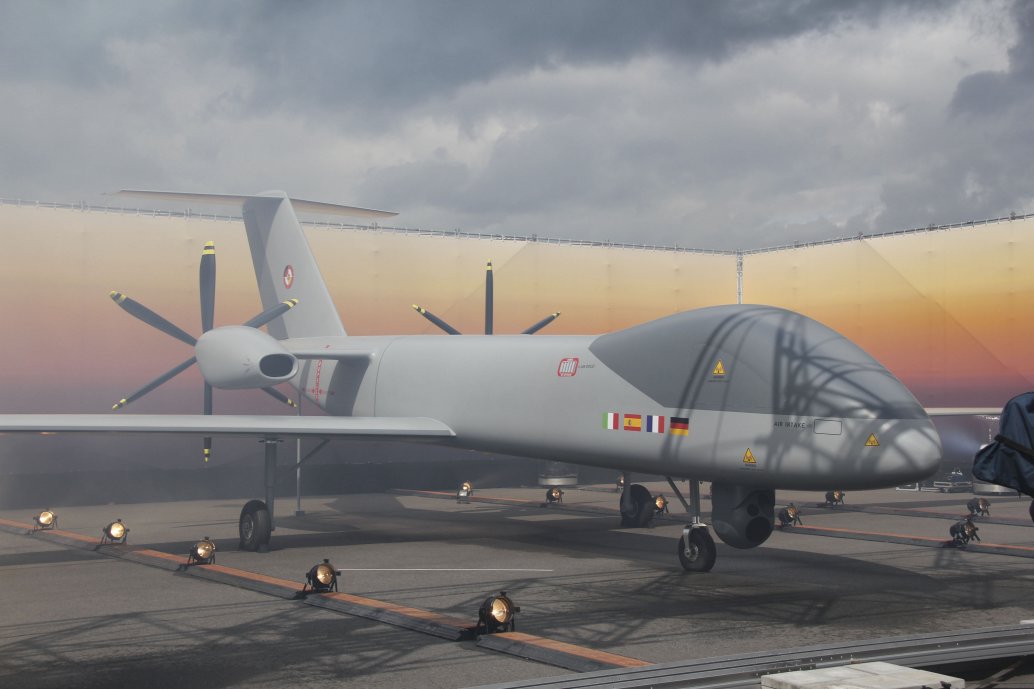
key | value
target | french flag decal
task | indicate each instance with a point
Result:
(654, 424)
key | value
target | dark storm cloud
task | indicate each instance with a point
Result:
(989, 93)
(988, 169)
(712, 124)
(399, 52)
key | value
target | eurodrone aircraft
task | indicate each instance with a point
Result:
(751, 398)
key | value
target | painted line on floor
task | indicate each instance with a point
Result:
(558, 653)
(904, 539)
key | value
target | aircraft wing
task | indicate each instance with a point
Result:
(229, 425)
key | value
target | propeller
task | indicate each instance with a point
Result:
(489, 311)
(206, 288)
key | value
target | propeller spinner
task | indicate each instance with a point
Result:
(489, 311)
(206, 284)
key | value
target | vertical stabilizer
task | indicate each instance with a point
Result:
(286, 269)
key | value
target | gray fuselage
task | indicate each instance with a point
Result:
(749, 395)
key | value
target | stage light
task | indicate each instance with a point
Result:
(963, 531)
(115, 532)
(790, 515)
(497, 614)
(979, 507)
(203, 552)
(621, 483)
(554, 495)
(321, 578)
(45, 520)
(835, 497)
(464, 492)
(660, 504)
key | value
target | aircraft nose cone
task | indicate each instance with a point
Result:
(909, 451)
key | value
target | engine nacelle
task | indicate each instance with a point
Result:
(235, 357)
(742, 517)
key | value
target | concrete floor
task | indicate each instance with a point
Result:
(72, 618)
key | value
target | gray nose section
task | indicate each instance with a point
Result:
(755, 359)
(910, 450)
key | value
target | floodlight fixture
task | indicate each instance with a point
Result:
(44, 520)
(835, 497)
(497, 614)
(464, 492)
(115, 532)
(963, 531)
(620, 483)
(790, 516)
(202, 552)
(321, 578)
(660, 504)
(554, 496)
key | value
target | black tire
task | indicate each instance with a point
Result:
(702, 551)
(255, 526)
(642, 508)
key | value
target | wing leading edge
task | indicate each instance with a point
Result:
(229, 425)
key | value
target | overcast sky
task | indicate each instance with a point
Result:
(706, 124)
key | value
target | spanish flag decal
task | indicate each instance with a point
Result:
(633, 422)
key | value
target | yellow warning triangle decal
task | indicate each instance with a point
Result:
(748, 457)
(872, 441)
(719, 369)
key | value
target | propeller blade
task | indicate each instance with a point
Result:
(541, 324)
(169, 375)
(206, 284)
(271, 313)
(436, 320)
(279, 396)
(138, 310)
(489, 299)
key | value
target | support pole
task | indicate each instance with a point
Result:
(298, 511)
(271, 444)
(678, 494)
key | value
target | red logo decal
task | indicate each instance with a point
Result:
(288, 277)
(567, 367)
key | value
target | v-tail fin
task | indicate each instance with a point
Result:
(284, 265)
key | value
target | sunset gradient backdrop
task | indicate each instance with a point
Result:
(948, 311)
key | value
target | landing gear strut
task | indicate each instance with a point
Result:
(256, 522)
(697, 552)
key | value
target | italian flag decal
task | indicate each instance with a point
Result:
(611, 421)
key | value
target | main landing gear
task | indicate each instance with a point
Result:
(696, 549)
(256, 523)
